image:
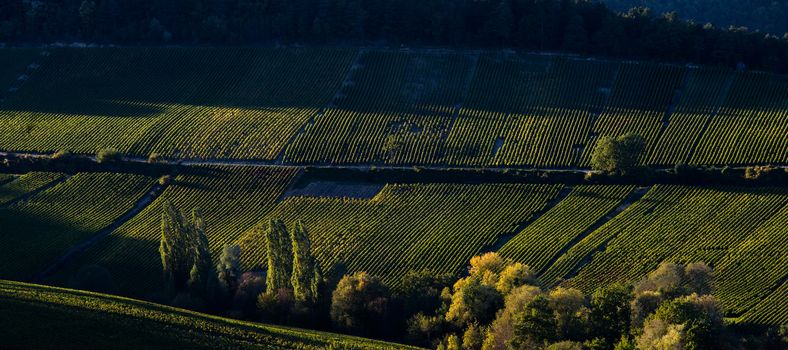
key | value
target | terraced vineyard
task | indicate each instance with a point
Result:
(232, 199)
(37, 231)
(407, 227)
(48, 318)
(385, 107)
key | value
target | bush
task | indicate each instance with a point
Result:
(108, 155)
(61, 155)
(153, 158)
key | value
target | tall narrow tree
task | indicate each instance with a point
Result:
(174, 248)
(303, 264)
(201, 277)
(280, 256)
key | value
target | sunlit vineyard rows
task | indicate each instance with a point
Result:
(407, 227)
(38, 230)
(232, 200)
(183, 103)
(544, 239)
(365, 106)
(25, 184)
(757, 266)
(681, 224)
(30, 310)
(773, 310)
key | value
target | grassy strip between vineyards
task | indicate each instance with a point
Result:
(232, 199)
(38, 230)
(407, 227)
(25, 184)
(39, 317)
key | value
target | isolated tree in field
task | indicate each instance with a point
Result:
(303, 265)
(359, 304)
(280, 257)
(618, 155)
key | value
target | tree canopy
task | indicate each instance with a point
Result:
(580, 26)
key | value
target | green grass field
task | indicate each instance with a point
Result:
(40, 317)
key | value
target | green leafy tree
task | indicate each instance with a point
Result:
(280, 257)
(174, 248)
(228, 269)
(618, 155)
(201, 278)
(303, 265)
(359, 304)
(534, 325)
(610, 312)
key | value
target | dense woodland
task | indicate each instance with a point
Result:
(767, 16)
(554, 25)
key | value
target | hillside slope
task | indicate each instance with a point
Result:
(39, 317)
(388, 107)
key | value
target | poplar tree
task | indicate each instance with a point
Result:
(303, 264)
(280, 257)
(174, 248)
(201, 276)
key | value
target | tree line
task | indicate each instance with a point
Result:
(578, 26)
(765, 15)
(495, 304)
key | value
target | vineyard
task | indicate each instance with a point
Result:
(544, 239)
(232, 199)
(407, 227)
(48, 318)
(38, 230)
(13, 188)
(581, 236)
(384, 107)
(179, 103)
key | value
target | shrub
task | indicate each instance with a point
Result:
(108, 155)
(153, 158)
(61, 155)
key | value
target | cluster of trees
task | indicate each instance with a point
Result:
(764, 15)
(499, 304)
(582, 26)
(289, 288)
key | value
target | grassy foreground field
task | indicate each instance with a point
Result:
(39, 317)
(386, 107)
